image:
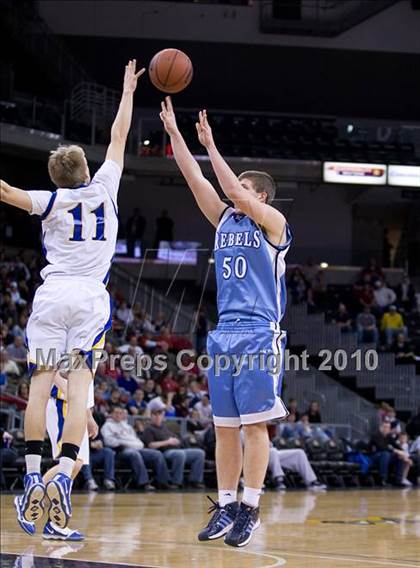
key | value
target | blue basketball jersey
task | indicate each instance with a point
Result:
(250, 271)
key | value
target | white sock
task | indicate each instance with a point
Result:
(33, 463)
(67, 466)
(251, 496)
(227, 496)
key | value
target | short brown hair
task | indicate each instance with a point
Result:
(67, 167)
(262, 182)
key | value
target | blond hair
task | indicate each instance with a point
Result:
(262, 182)
(67, 166)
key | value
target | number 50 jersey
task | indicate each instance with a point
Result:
(250, 271)
(79, 226)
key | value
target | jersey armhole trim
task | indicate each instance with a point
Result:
(49, 206)
(285, 245)
(223, 216)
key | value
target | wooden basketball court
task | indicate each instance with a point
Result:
(338, 529)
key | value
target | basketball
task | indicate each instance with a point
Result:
(171, 70)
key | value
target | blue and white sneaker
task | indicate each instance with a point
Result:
(32, 501)
(53, 532)
(221, 522)
(58, 491)
(246, 522)
(27, 526)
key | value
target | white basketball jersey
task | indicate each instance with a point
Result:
(79, 226)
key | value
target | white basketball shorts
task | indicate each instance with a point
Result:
(68, 313)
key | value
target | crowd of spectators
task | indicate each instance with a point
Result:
(370, 307)
(131, 404)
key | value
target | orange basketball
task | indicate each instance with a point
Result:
(171, 70)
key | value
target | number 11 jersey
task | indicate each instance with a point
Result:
(79, 226)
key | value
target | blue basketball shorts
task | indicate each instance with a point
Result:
(246, 373)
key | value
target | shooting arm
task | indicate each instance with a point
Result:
(205, 194)
(263, 214)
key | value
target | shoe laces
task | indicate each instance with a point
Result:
(216, 509)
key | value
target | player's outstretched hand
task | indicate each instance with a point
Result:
(167, 116)
(204, 132)
(130, 76)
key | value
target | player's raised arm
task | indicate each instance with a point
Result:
(15, 196)
(205, 194)
(262, 213)
(122, 122)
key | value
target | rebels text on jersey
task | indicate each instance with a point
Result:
(250, 271)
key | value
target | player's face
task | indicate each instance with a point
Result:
(249, 186)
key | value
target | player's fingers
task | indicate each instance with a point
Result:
(169, 103)
(140, 73)
(198, 127)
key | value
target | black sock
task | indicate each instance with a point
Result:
(34, 447)
(69, 451)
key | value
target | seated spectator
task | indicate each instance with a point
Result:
(295, 460)
(287, 429)
(119, 435)
(293, 408)
(194, 393)
(20, 327)
(342, 318)
(384, 455)
(169, 384)
(127, 382)
(203, 407)
(365, 296)
(124, 313)
(384, 297)
(406, 294)
(23, 390)
(8, 456)
(7, 366)
(101, 457)
(18, 352)
(113, 400)
(366, 327)
(132, 346)
(307, 432)
(313, 412)
(181, 402)
(137, 405)
(15, 295)
(403, 351)
(149, 390)
(392, 324)
(158, 436)
(160, 321)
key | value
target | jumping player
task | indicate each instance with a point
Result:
(71, 310)
(55, 419)
(252, 239)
